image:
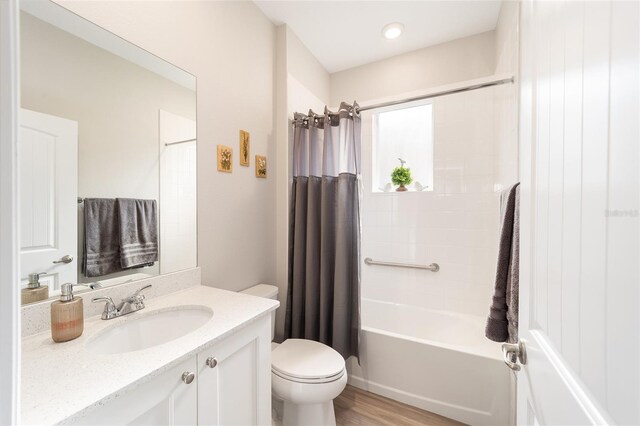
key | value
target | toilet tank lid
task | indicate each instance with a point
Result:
(262, 290)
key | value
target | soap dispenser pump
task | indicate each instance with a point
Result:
(67, 315)
(34, 292)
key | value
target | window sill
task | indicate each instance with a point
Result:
(394, 192)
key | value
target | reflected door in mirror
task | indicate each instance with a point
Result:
(48, 173)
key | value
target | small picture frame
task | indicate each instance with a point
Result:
(245, 147)
(225, 159)
(261, 166)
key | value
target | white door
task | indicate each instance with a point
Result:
(579, 289)
(48, 189)
(178, 202)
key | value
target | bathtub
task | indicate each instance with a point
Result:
(434, 360)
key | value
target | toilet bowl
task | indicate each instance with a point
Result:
(305, 375)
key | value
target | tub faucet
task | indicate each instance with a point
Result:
(130, 304)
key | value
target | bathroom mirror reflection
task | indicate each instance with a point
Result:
(107, 157)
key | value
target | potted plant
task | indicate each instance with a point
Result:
(401, 176)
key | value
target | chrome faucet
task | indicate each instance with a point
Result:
(130, 304)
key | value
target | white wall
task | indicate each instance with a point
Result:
(230, 48)
(283, 186)
(505, 114)
(580, 133)
(457, 60)
(308, 80)
(455, 225)
(506, 37)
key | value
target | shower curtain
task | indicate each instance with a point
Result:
(323, 299)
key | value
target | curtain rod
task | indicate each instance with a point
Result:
(179, 142)
(437, 94)
(424, 97)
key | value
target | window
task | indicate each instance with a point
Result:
(406, 132)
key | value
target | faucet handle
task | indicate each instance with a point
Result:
(102, 299)
(137, 297)
(110, 310)
(140, 289)
(133, 303)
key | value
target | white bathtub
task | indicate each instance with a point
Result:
(434, 360)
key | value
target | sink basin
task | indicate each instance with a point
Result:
(135, 333)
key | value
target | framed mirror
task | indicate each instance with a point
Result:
(106, 154)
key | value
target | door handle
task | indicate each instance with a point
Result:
(64, 259)
(514, 352)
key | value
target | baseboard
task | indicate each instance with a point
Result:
(455, 412)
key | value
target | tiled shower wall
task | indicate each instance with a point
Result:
(456, 225)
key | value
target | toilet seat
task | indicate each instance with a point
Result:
(307, 361)
(317, 380)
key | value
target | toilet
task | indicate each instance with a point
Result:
(305, 375)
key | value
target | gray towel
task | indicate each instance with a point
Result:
(502, 323)
(138, 232)
(101, 237)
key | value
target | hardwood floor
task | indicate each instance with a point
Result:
(357, 407)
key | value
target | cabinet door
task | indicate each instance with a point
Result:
(164, 400)
(235, 389)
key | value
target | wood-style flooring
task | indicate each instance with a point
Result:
(358, 407)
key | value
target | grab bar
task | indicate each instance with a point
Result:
(433, 267)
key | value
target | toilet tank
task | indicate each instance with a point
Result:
(269, 292)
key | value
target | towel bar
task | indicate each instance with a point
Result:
(433, 267)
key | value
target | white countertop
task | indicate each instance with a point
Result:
(63, 380)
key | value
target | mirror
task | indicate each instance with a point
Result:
(106, 154)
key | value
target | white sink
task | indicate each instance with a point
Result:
(143, 330)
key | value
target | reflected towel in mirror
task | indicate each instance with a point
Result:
(138, 232)
(101, 237)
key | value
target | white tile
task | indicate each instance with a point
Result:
(456, 225)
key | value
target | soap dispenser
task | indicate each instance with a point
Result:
(67, 316)
(34, 292)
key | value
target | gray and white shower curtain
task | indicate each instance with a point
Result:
(323, 300)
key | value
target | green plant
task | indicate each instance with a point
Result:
(401, 175)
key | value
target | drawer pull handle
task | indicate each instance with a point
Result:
(188, 377)
(211, 362)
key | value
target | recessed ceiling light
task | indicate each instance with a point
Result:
(393, 30)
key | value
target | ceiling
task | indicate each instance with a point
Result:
(345, 34)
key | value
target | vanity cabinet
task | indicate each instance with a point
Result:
(234, 381)
(167, 400)
(228, 383)
(163, 400)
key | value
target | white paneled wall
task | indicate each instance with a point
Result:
(585, 109)
(456, 225)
